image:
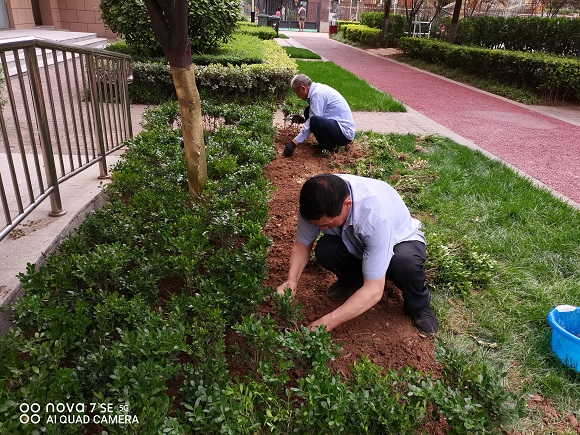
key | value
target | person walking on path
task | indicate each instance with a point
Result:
(328, 116)
(301, 18)
(368, 236)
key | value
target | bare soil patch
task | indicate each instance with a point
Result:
(383, 333)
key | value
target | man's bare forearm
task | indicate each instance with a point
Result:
(299, 257)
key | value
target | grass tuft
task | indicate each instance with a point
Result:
(301, 53)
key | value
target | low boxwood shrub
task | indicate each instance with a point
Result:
(557, 35)
(270, 79)
(146, 285)
(341, 23)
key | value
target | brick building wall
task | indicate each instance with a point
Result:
(74, 15)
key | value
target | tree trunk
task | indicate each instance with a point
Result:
(191, 127)
(454, 22)
(169, 22)
(386, 21)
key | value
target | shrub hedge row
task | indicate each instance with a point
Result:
(262, 32)
(361, 34)
(152, 82)
(552, 77)
(241, 48)
(365, 33)
(549, 35)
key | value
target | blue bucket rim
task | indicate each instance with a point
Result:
(555, 325)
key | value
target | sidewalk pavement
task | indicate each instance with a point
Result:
(39, 234)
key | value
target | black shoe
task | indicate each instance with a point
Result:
(426, 322)
(337, 292)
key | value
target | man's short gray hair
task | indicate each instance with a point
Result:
(300, 80)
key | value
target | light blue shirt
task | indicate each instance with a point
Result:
(376, 222)
(327, 102)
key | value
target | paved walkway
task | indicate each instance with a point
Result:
(543, 143)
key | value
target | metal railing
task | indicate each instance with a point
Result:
(63, 108)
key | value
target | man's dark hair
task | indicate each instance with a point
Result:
(323, 195)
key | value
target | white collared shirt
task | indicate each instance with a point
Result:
(327, 102)
(377, 221)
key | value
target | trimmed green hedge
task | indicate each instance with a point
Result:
(550, 35)
(374, 20)
(242, 48)
(552, 77)
(361, 34)
(262, 32)
(152, 83)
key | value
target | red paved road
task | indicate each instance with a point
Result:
(543, 147)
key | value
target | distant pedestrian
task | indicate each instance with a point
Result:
(278, 13)
(283, 13)
(301, 18)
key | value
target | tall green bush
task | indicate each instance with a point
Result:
(550, 35)
(397, 25)
(209, 22)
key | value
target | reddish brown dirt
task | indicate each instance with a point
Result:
(383, 333)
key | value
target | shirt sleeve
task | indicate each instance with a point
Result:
(318, 102)
(306, 233)
(379, 244)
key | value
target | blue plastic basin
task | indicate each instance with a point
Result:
(565, 323)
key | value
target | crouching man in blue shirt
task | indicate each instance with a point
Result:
(328, 116)
(368, 236)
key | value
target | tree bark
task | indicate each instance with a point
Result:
(191, 127)
(169, 22)
(454, 22)
(386, 21)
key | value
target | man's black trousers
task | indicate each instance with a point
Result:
(327, 133)
(406, 269)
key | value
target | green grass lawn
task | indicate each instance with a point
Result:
(534, 239)
(300, 53)
(358, 93)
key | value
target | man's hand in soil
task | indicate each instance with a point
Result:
(360, 301)
(289, 149)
